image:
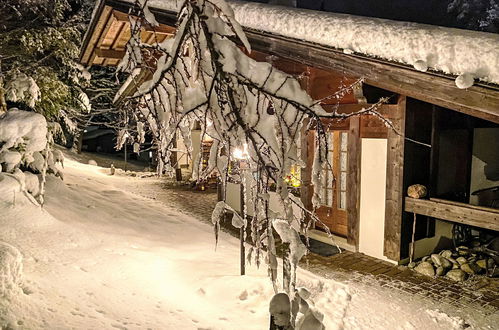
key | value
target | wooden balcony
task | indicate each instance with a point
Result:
(467, 214)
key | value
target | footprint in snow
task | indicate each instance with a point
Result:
(27, 290)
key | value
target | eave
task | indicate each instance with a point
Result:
(481, 100)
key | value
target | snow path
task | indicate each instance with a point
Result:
(101, 257)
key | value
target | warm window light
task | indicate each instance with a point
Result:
(294, 177)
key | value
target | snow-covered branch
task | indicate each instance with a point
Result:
(255, 114)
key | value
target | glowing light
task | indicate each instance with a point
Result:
(241, 153)
(294, 177)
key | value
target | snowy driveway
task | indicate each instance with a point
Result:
(101, 257)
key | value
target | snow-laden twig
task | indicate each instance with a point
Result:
(254, 113)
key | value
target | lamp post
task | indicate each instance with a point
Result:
(125, 136)
(241, 155)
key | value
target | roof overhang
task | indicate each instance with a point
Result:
(481, 100)
(105, 41)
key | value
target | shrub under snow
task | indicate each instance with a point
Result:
(22, 133)
(23, 88)
(24, 144)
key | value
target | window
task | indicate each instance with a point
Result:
(327, 191)
(337, 155)
(343, 170)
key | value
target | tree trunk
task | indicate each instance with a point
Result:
(79, 141)
(3, 102)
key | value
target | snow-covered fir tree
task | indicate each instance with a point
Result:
(39, 47)
(41, 85)
(482, 15)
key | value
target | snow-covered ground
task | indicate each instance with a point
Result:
(99, 256)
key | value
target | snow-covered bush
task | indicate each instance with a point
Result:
(25, 143)
(24, 132)
(22, 88)
(11, 270)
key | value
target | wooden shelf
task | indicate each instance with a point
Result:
(467, 214)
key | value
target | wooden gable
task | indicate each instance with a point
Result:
(108, 40)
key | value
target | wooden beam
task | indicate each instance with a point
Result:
(353, 182)
(160, 29)
(477, 101)
(122, 30)
(455, 212)
(132, 85)
(91, 40)
(110, 53)
(102, 35)
(394, 184)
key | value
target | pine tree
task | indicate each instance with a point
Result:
(39, 47)
(482, 15)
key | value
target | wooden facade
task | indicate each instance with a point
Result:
(321, 71)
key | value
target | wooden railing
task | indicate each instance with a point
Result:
(467, 214)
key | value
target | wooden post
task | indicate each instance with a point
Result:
(125, 155)
(411, 255)
(3, 103)
(434, 153)
(79, 141)
(394, 184)
(353, 182)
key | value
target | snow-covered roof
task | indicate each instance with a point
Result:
(452, 51)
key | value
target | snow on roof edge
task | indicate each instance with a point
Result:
(448, 50)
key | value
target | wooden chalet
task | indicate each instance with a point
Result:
(447, 139)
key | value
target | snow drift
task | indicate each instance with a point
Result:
(11, 269)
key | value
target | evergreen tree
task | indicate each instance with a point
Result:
(476, 14)
(39, 47)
